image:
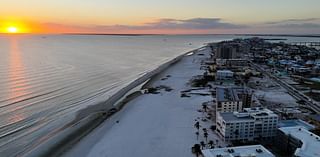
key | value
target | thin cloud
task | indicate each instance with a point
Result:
(293, 21)
(301, 25)
(192, 24)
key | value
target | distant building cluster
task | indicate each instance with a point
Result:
(240, 115)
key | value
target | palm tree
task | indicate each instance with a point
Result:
(204, 107)
(197, 133)
(202, 144)
(205, 134)
(210, 143)
(197, 149)
(204, 129)
(197, 125)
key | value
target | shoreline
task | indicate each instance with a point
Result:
(159, 120)
(91, 117)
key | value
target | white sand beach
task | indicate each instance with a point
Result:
(154, 125)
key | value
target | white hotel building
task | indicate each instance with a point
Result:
(242, 151)
(248, 125)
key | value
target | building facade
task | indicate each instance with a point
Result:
(227, 100)
(232, 99)
(224, 75)
(226, 51)
(252, 123)
(297, 141)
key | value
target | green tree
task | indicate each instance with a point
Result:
(197, 149)
(210, 143)
(197, 125)
(205, 134)
(204, 107)
(202, 144)
(197, 133)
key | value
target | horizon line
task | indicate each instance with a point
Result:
(142, 34)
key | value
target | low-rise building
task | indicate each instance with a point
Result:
(232, 99)
(252, 123)
(290, 112)
(295, 123)
(227, 100)
(224, 75)
(232, 62)
(242, 151)
(298, 142)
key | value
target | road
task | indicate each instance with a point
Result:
(315, 106)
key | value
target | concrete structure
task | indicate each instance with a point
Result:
(226, 51)
(245, 95)
(252, 123)
(232, 62)
(227, 100)
(243, 151)
(235, 127)
(295, 123)
(232, 99)
(224, 75)
(290, 112)
(299, 142)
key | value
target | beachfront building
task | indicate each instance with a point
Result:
(227, 100)
(298, 142)
(231, 99)
(232, 62)
(226, 51)
(224, 75)
(242, 151)
(252, 123)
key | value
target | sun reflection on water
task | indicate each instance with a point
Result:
(17, 79)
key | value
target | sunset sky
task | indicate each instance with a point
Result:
(161, 16)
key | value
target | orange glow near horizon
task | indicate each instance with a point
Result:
(29, 27)
(14, 27)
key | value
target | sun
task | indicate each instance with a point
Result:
(15, 27)
(12, 29)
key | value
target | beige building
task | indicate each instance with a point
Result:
(232, 99)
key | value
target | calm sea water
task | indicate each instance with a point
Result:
(45, 80)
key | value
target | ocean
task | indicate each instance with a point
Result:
(46, 79)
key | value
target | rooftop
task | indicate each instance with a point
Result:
(225, 71)
(315, 117)
(248, 114)
(243, 151)
(296, 122)
(311, 142)
(230, 116)
(259, 111)
(228, 94)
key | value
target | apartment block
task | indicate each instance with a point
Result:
(252, 123)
